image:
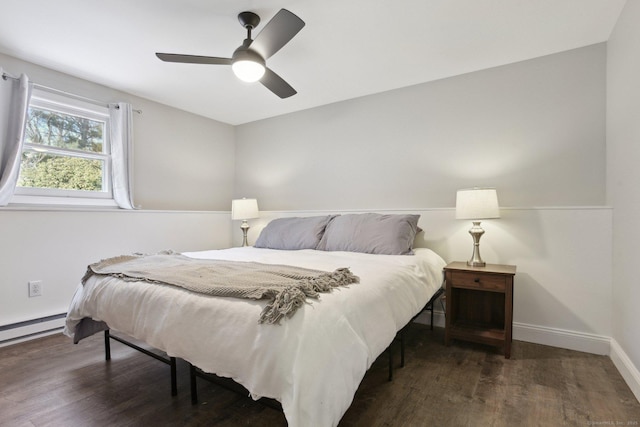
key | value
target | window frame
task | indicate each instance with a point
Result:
(70, 105)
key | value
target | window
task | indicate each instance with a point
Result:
(66, 154)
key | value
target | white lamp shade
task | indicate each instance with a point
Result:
(477, 203)
(244, 209)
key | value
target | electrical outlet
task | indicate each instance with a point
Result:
(35, 288)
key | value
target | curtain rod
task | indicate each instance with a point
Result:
(6, 76)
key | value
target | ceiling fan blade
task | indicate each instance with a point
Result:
(276, 84)
(193, 59)
(282, 28)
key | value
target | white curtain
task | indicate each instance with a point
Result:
(121, 115)
(14, 104)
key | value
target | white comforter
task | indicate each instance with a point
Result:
(313, 362)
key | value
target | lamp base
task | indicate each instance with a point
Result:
(476, 232)
(244, 227)
(476, 263)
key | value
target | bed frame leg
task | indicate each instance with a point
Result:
(174, 376)
(194, 385)
(390, 351)
(107, 346)
(431, 316)
(400, 335)
(402, 347)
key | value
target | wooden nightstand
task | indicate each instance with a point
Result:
(480, 304)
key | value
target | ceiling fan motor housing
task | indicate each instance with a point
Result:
(247, 64)
(243, 53)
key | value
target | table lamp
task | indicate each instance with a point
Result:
(476, 204)
(244, 209)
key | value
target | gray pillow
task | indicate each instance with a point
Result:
(371, 233)
(293, 233)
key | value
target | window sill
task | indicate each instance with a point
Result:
(44, 201)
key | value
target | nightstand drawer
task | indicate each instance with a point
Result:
(472, 280)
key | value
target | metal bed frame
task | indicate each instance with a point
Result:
(195, 372)
(171, 361)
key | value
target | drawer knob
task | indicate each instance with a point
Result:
(477, 280)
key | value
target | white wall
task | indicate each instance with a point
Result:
(623, 192)
(534, 129)
(56, 246)
(181, 161)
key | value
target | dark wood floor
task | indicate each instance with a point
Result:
(51, 382)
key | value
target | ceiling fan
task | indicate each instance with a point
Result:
(248, 60)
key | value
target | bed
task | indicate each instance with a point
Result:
(312, 362)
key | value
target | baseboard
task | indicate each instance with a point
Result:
(554, 337)
(24, 331)
(626, 367)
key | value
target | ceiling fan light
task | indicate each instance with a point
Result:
(247, 70)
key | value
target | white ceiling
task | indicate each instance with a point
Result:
(347, 48)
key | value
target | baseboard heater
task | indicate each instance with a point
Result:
(20, 331)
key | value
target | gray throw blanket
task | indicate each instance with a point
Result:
(286, 287)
